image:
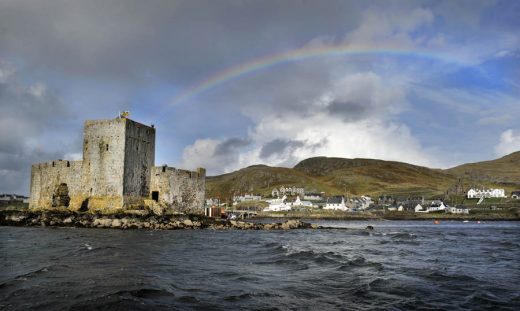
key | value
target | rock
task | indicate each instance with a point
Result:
(314, 226)
(16, 218)
(369, 228)
(188, 223)
(116, 223)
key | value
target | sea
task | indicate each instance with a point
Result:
(400, 265)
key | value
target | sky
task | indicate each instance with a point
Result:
(233, 83)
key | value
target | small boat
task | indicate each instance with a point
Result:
(466, 221)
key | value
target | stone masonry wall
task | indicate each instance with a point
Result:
(103, 156)
(47, 177)
(180, 189)
(117, 171)
(139, 160)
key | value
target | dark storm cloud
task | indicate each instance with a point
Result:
(279, 146)
(230, 145)
(348, 110)
(28, 114)
(173, 39)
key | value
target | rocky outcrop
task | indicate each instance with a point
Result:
(138, 221)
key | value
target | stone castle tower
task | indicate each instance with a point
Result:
(117, 171)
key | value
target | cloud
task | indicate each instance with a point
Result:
(213, 154)
(509, 142)
(78, 60)
(30, 117)
(366, 95)
(279, 146)
(351, 117)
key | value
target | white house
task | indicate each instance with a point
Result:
(336, 203)
(420, 209)
(278, 205)
(299, 202)
(247, 198)
(312, 196)
(436, 206)
(287, 190)
(486, 193)
(457, 210)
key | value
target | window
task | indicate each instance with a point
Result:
(107, 147)
(68, 164)
(155, 196)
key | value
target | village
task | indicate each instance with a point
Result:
(288, 200)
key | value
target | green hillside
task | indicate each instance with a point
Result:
(504, 171)
(368, 176)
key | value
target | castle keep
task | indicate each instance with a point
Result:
(117, 171)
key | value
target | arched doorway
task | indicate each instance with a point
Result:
(61, 198)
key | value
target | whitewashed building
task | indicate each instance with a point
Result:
(457, 210)
(336, 203)
(313, 196)
(247, 198)
(486, 193)
(299, 202)
(278, 205)
(436, 206)
(420, 209)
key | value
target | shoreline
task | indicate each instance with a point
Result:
(398, 216)
(135, 221)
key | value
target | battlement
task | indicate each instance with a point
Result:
(117, 170)
(58, 164)
(169, 170)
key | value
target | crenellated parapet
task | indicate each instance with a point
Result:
(178, 188)
(117, 171)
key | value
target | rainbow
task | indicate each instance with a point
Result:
(305, 53)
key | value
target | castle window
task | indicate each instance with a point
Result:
(52, 163)
(68, 164)
(164, 168)
(155, 196)
(107, 147)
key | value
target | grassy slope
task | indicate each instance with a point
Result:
(504, 171)
(366, 176)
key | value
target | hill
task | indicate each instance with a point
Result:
(368, 176)
(504, 171)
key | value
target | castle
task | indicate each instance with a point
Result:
(117, 172)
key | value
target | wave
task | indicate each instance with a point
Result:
(359, 262)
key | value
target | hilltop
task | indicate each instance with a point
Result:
(368, 176)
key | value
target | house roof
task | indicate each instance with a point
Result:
(335, 200)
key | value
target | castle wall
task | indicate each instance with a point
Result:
(139, 160)
(117, 171)
(47, 177)
(179, 188)
(103, 156)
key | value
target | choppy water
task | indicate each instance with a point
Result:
(399, 265)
